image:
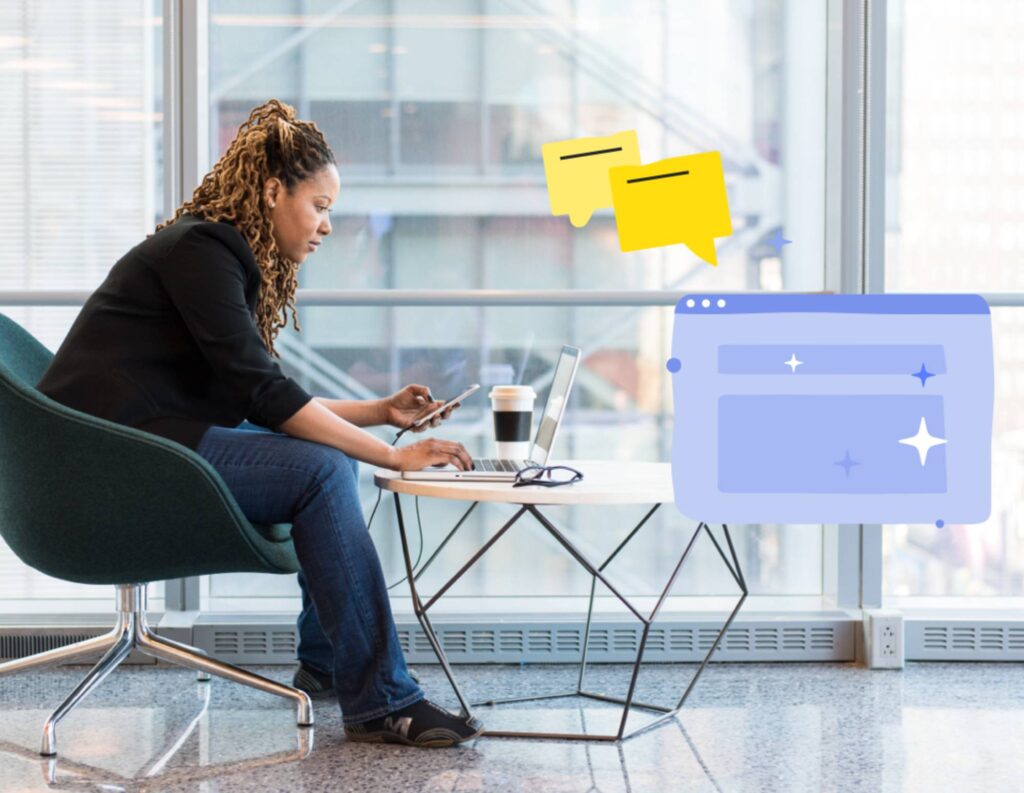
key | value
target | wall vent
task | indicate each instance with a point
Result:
(248, 644)
(23, 642)
(21, 646)
(617, 642)
(274, 641)
(960, 640)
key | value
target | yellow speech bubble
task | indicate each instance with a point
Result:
(577, 172)
(681, 199)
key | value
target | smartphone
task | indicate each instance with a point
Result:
(421, 421)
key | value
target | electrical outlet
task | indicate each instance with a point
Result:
(883, 639)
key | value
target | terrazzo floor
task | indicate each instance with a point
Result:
(763, 728)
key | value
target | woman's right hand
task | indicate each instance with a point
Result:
(432, 451)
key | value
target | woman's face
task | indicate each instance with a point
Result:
(300, 217)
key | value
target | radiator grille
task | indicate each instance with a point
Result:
(21, 646)
(615, 642)
(981, 641)
(248, 644)
(537, 641)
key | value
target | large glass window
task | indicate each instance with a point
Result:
(437, 112)
(80, 182)
(955, 222)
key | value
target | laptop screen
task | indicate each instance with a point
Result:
(561, 384)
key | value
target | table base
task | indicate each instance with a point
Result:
(731, 562)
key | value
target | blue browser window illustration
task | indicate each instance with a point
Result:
(832, 408)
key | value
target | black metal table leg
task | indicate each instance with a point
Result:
(597, 573)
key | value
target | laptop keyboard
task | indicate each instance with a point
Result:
(509, 466)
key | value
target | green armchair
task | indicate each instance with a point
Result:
(84, 499)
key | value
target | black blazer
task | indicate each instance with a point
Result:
(168, 343)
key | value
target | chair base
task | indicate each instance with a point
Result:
(133, 633)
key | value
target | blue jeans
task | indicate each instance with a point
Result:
(345, 627)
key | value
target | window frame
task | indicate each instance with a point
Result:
(853, 252)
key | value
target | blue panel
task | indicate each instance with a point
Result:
(828, 444)
(832, 304)
(789, 408)
(816, 359)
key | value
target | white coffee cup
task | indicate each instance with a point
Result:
(512, 406)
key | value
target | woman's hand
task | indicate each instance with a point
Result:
(432, 451)
(403, 408)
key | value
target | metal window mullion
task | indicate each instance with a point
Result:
(186, 133)
(171, 105)
(395, 118)
(195, 93)
(182, 594)
(844, 557)
(186, 98)
(873, 242)
(855, 221)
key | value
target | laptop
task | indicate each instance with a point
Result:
(501, 470)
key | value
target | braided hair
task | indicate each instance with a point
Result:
(271, 143)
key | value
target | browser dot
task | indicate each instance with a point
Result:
(689, 303)
(705, 303)
(721, 303)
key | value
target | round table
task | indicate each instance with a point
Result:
(604, 482)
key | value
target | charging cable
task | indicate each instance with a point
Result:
(419, 522)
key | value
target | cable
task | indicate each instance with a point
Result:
(419, 553)
(419, 524)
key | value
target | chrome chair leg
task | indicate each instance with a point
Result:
(201, 676)
(113, 657)
(133, 633)
(164, 650)
(96, 645)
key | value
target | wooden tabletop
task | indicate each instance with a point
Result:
(604, 482)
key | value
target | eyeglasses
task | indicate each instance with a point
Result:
(557, 475)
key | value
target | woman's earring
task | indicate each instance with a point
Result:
(271, 204)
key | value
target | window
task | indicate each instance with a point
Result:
(955, 222)
(437, 111)
(81, 182)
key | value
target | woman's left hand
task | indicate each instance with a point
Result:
(405, 406)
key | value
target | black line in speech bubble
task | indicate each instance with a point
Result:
(589, 153)
(659, 176)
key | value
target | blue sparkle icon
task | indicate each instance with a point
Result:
(923, 375)
(778, 241)
(846, 463)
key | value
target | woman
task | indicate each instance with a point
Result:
(179, 341)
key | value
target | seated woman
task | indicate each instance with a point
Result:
(179, 341)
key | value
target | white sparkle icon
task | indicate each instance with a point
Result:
(923, 441)
(793, 363)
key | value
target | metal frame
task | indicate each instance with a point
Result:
(873, 34)
(132, 632)
(597, 574)
(854, 221)
(186, 105)
(449, 297)
(186, 97)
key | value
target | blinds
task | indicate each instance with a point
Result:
(79, 166)
(79, 156)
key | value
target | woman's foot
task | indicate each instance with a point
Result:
(314, 682)
(321, 684)
(421, 724)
